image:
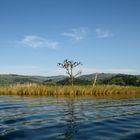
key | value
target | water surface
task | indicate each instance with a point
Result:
(48, 118)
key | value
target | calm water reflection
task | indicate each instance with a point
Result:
(44, 118)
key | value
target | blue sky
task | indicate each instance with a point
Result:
(37, 34)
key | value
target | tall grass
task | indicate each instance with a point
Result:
(44, 90)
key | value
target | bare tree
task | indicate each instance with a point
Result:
(69, 65)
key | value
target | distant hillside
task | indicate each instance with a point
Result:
(103, 78)
(76, 81)
(121, 79)
(6, 79)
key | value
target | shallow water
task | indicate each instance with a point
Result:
(48, 118)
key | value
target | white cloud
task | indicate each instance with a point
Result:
(103, 33)
(76, 34)
(37, 42)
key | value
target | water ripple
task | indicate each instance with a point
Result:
(44, 118)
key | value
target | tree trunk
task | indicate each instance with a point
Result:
(95, 79)
(71, 75)
(72, 80)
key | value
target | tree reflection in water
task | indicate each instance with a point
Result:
(71, 129)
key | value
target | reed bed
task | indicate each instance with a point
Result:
(59, 91)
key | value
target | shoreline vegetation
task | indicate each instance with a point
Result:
(70, 91)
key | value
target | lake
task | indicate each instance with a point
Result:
(49, 118)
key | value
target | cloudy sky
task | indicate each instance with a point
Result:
(37, 34)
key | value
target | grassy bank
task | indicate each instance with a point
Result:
(43, 90)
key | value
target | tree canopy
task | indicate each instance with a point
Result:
(69, 65)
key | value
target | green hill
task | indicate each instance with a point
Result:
(123, 80)
(6, 79)
(103, 78)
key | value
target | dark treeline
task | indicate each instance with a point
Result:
(123, 80)
(120, 79)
